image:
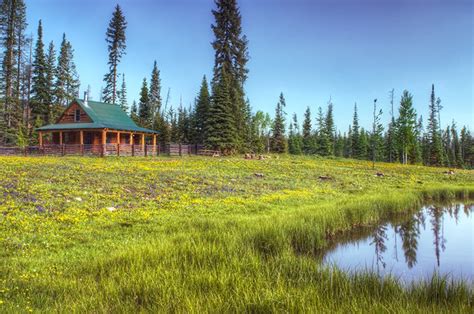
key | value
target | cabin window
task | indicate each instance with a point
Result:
(77, 115)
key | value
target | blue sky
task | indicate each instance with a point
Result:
(351, 51)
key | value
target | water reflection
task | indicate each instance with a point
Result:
(421, 237)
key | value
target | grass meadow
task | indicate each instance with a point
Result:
(125, 235)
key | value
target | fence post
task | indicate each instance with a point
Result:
(133, 150)
(146, 150)
(118, 150)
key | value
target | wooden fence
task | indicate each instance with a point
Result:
(171, 149)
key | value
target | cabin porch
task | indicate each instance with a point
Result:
(101, 142)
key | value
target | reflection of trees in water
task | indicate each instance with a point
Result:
(409, 229)
(437, 220)
(409, 233)
(379, 238)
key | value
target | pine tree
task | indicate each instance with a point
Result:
(231, 57)
(406, 124)
(435, 145)
(40, 85)
(67, 79)
(355, 136)
(203, 105)
(278, 141)
(122, 95)
(144, 112)
(220, 127)
(155, 93)
(115, 38)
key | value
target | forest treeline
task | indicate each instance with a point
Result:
(37, 81)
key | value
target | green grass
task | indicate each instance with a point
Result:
(206, 235)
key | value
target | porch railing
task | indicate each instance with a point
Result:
(108, 149)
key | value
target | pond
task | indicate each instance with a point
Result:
(436, 239)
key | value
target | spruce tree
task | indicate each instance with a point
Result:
(53, 110)
(339, 145)
(295, 142)
(456, 146)
(134, 112)
(330, 128)
(262, 127)
(115, 38)
(220, 127)
(348, 143)
(466, 145)
(406, 125)
(376, 136)
(203, 105)
(449, 156)
(308, 139)
(40, 85)
(155, 94)
(12, 42)
(435, 145)
(278, 141)
(355, 136)
(390, 145)
(231, 57)
(122, 95)
(364, 144)
(324, 142)
(67, 79)
(144, 112)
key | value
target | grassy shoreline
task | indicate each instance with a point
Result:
(197, 235)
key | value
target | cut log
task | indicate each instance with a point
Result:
(325, 178)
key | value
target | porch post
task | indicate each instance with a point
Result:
(118, 144)
(104, 141)
(61, 142)
(40, 135)
(131, 143)
(81, 141)
(154, 144)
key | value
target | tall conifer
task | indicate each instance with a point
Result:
(115, 38)
(40, 86)
(278, 141)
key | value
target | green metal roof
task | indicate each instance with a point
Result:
(103, 115)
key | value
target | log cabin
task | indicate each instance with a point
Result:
(96, 126)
